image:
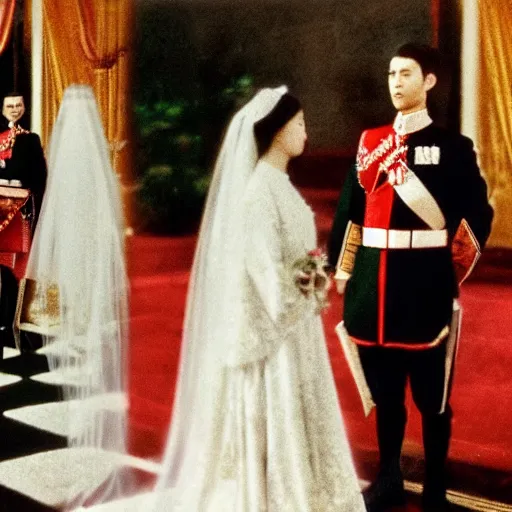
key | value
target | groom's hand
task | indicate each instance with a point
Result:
(340, 285)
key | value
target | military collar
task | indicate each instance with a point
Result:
(413, 122)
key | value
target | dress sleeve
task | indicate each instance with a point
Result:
(273, 308)
(270, 280)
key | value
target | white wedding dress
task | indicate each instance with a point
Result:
(283, 445)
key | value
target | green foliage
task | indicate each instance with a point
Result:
(171, 199)
(178, 140)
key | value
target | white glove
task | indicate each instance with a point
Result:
(340, 285)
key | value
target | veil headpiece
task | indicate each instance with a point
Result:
(213, 305)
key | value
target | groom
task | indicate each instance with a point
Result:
(411, 222)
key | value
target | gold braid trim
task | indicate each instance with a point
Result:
(10, 139)
(351, 243)
(11, 203)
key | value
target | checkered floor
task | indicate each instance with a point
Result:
(38, 472)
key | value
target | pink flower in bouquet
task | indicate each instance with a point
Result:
(311, 277)
(316, 253)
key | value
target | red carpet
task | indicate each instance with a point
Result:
(482, 400)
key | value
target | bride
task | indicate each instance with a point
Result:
(256, 421)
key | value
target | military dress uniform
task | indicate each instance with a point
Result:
(411, 222)
(22, 169)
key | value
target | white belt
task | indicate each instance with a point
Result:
(403, 239)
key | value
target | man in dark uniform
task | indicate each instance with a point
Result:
(412, 219)
(22, 168)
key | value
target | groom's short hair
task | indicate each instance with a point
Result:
(428, 57)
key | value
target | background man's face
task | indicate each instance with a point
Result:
(13, 108)
(407, 85)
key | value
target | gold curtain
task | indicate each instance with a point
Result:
(88, 41)
(7, 8)
(495, 113)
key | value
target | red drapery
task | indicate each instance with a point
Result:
(7, 8)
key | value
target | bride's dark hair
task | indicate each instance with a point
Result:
(266, 129)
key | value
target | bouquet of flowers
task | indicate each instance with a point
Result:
(311, 277)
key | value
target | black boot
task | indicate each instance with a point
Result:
(385, 492)
(388, 488)
(436, 441)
